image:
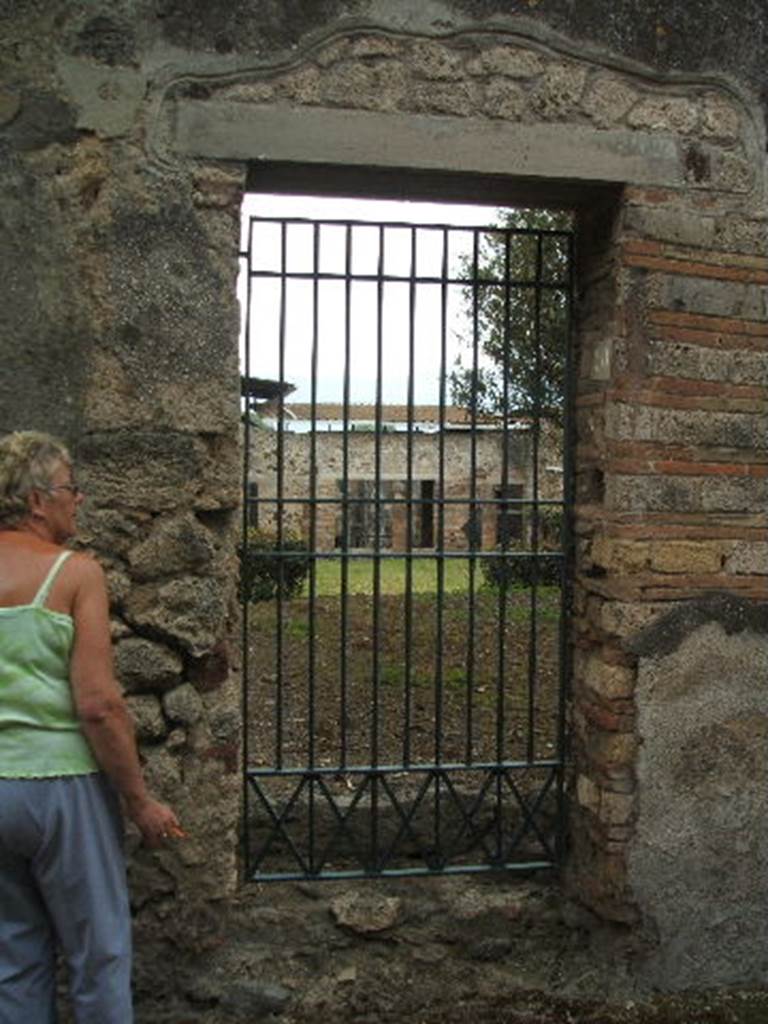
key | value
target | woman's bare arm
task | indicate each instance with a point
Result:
(101, 709)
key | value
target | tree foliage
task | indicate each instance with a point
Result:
(516, 307)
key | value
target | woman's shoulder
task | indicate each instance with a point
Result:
(84, 566)
(80, 577)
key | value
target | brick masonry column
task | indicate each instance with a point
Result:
(671, 595)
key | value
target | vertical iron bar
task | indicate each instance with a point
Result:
(473, 513)
(503, 520)
(440, 554)
(377, 549)
(311, 654)
(566, 540)
(502, 517)
(408, 608)
(246, 685)
(279, 717)
(533, 632)
(344, 598)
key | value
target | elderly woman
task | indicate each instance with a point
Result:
(67, 749)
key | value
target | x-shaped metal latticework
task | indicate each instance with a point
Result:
(321, 824)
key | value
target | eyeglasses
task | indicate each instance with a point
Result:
(73, 489)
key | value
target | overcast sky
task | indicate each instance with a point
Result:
(299, 317)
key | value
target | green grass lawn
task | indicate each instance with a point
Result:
(424, 580)
(392, 576)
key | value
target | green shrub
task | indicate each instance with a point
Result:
(267, 571)
(515, 569)
(550, 526)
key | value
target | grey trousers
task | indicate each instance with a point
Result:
(62, 882)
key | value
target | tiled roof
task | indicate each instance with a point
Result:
(452, 414)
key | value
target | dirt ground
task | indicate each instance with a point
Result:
(488, 949)
(440, 674)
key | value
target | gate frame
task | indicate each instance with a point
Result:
(467, 190)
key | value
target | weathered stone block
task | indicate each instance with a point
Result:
(616, 808)
(721, 119)
(587, 794)
(734, 494)
(613, 749)
(607, 99)
(748, 558)
(707, 296)
(741, 234)
(383, 86)
(731, 172)
(142, 470)
(636, 493)
(118, 583)
(109, 531)
(683, 426)
(672, 224)
(610, 682)
(435, 61)
(162, 771)
(189, 611)
(679, 115)
(623, 619)
(458, 99)
(145, 665)
(177, 544)
(510, 61)
(621, 555)
(668, 358)
(504, 99)
(155, 471)
(183, 705)
(302, 86)
(686, 556)
(148, 718)
(558, 92)
(211, 670)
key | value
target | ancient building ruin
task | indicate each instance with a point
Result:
(128, 134)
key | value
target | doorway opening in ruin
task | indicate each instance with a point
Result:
(406, 409)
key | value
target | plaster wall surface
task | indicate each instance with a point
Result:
(700, 836)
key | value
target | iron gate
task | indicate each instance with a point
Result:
(405, 561)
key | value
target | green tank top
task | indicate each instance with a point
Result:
(40, 736)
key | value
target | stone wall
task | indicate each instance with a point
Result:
(109, 338)
(127, 133)
(457, 458)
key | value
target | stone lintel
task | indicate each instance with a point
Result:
(239, 131)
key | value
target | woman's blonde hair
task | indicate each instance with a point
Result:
(28, 460)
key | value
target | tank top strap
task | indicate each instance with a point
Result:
(45, 587)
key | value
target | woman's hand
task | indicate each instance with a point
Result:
(155, 820)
